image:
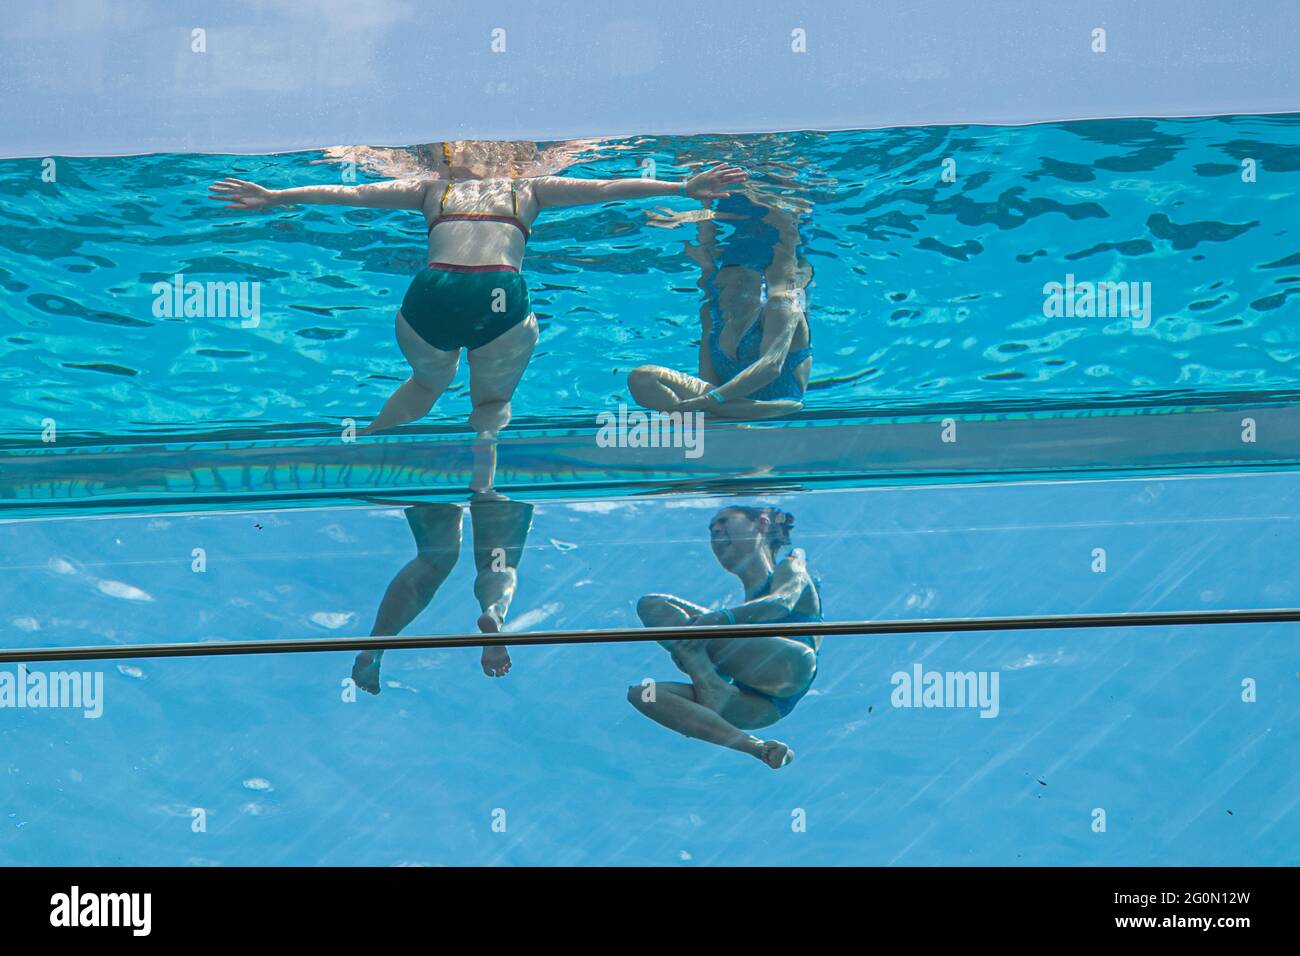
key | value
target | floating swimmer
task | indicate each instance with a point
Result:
(756, 345)
(741, 683)
(471, 295)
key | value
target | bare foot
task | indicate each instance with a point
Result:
(775, 754)
(496, 661)
(365, 672)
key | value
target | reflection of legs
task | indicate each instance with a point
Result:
(675, 706)
(436, 529)
(774, 665)
(710, 708)
(500, 531)
(431, 372)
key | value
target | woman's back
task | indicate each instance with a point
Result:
(479, 222)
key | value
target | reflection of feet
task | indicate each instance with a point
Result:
(775, 754)
(488, 494)
(365, 672)
(496, 661)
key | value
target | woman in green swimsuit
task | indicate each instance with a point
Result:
(471, 295)
(739, 684)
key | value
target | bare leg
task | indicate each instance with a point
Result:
(774, 665)
(710, 708)
(500, 531)
(667, 610)
(675, 706)
(437, 537)
(661, 389)
(494, 372)
(431, 372)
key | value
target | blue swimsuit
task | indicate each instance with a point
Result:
(784, 705)
(752, 245)
(785, 387)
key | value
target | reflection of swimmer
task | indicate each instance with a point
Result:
(471, 295)
(500, 528)
(739, 683)
(755, 350)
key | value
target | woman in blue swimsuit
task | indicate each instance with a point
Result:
(756, 346)
(739, 684)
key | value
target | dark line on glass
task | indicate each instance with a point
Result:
(626, 635)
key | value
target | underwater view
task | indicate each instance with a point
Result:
(921, 254)
(740, 389)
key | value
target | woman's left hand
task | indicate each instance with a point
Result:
(715, 183)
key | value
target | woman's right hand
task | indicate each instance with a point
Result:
(238, 194)
(715, 183)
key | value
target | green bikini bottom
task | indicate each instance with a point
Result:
(465, 307)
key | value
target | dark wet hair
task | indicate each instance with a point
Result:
(778, 530)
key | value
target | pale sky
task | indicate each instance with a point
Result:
(103, 77)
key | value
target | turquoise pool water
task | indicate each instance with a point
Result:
(177, 434)
(927, 293)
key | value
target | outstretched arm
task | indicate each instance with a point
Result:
(552, 191)
(393, 194)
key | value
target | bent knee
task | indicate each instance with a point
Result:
(652, 608)
(643, 375)
(636, 697)
(490, 416)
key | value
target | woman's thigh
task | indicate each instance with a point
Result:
(774, 665)
(666, 610)
(496, 368)
(682, 385)
(432, 367)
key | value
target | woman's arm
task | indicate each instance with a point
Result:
(393, 194)
(789, 581)
(552, 191)
(780, 320)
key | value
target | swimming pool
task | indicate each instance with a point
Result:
(178, 435)
(927, 294)
(1150, 725)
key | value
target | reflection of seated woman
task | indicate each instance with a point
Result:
(755, 351)
(500, 528)
(739, 683)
